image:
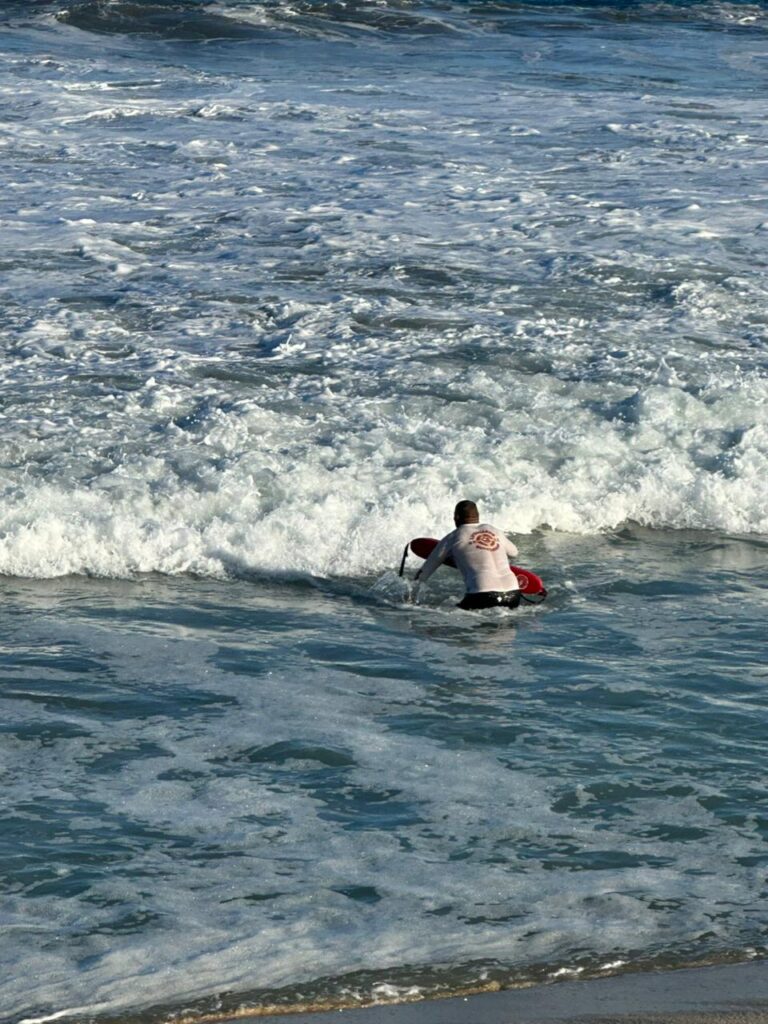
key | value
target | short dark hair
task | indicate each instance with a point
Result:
(465, 512)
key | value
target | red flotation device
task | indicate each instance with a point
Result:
(531, 585)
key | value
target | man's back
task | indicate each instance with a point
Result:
(481, 553)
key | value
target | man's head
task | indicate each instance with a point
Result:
(466, 512)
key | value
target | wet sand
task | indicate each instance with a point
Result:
(728, 994)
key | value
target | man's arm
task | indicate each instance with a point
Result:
(509, 547)
(438, 555)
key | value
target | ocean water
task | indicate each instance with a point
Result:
(281, 281)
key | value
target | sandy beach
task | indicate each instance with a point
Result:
(729, 994)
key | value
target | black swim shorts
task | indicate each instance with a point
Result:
(490, 599)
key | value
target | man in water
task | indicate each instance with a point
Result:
(481, 553)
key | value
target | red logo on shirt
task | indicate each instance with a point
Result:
(485, 540)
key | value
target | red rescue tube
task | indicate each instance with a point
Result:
(530, 584)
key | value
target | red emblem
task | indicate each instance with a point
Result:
(485, 540)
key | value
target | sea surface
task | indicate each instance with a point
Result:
(280, 282)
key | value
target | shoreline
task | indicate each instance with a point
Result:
(722, 994)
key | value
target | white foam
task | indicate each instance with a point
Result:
(316, 429)
(337, 487)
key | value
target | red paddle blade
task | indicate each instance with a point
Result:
(422, 546)
(528, 581)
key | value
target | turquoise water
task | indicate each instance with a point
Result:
(294, 792)
(280, 283)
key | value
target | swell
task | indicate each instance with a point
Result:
(182, 21)
(165, 20)
(199, 21)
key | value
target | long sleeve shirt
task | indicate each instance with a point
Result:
(481, 553)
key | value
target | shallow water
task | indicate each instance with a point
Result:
(302, 792)
(280, 283)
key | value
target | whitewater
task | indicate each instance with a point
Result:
(281, 282)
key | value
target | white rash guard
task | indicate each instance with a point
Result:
(481, 553)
